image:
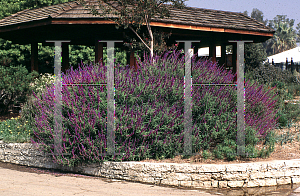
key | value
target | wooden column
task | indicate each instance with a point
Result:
(223, 55)
(133, 64)
(196, 48)
(212, 52)
(234, 58)
(34, 57)
(65, 57)
(98, 52)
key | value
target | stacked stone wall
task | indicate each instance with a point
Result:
(256, 174)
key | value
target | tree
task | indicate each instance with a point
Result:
(258, 15)
(285, 36)
(15, 54)
(255, 53)
(298, 33)
(8, 7)
(133, 14)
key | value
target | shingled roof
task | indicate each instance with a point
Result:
(198, 17)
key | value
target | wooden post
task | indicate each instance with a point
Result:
(196, 48)
(133, 64)
(65, 57)
(98, 52)
(34, 57)
(234, 57)
(212, 52)
(223, 55)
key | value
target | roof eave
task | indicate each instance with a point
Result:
(49, 20)
(25, 25)
(211, 29)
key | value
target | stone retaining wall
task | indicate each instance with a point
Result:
(187, 175)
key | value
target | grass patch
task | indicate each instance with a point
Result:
(15, 132)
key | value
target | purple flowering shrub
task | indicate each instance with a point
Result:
(149, 110)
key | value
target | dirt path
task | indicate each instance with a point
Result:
(20, 180)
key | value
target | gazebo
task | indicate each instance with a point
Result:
(71, 21)
(76, 25)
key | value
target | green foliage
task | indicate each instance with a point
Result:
(266, 74)
(258, 15)
(206, 154)
(8, 7)
(40, 84)
(294, 89)
(14, 86)
(282, 120)
(13, 131)
(255, 54)
(227, 149)
(269, 142)
(285, 138)
(135, 14)
(160, 43)
(219, 119)
(120, 57)
(14, 54)
(285, 36)
(286, 87)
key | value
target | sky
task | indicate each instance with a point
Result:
(270, 8)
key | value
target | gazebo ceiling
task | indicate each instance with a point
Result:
(71, 21)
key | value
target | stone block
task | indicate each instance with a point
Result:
(274, 174)
(207, 184)
(201, 177)
(235, 176)
(257, 175)
(276, 165)
(252, 167)
(223, 184)
(156, 174)
(213, 168)
(236, 168)
(284, 180)
(270, 182)
(256, 183)
(295, 180)
(216, 176)
(184, 168)
(186, 183)
(292, 172)
(170, 182)
(179, 176)
(198, 184)
(183, 176)
(214, 184)
(234, 184)
(165, 168)
(292, 163)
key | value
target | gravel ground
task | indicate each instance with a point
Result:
(19, 180)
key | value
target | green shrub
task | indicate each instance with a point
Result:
(282, 120)
(269, 142)
(39, 85)
(14, 86)
(294, 89)
(266, 74)
(206, 154)
(227, 149)
(149, 112)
